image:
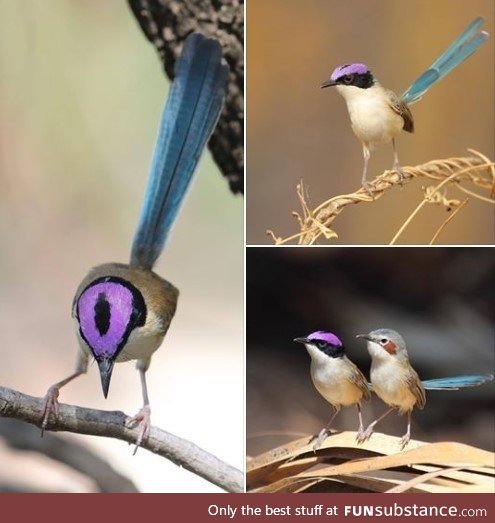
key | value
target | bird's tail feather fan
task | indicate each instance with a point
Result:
(460, 49)
(189, 117)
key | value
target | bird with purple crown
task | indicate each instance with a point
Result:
(335, 377)
(377, 114)
(122, 311)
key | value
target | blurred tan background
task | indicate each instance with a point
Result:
(297, 130)
(81, 92)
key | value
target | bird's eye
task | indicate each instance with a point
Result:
(384, 341)
(321, 344)
(348, 78)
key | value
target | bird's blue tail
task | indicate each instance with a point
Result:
(189, 117)
(456, 382)
(460, 49)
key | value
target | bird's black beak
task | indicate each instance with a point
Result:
(106, 367)
(328, 83)
(364, 336)
(301, 340)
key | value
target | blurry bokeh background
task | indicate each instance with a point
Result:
(441, 300)
(81, 92)
(297, 130)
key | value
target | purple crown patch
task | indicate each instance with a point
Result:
(348, 69)
(104, 313)
(325, 336)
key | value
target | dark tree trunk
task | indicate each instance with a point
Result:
(166, 24)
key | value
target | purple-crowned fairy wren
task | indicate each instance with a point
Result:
(335, 377)
(377, 114)
(122, 312)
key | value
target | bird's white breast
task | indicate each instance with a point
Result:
(373, 120)
(332, 378)
(390, 382)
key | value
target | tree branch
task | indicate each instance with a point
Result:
(111, 424)
(166, 24)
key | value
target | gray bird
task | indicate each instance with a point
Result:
(393, 379)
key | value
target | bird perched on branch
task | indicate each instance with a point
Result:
(123, 311)
(335, 377)
(397, 384)
(377, 114)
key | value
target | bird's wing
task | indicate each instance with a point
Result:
(416, 387)
(360, 381)
(402, 109)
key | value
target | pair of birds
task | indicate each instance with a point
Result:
(123, 311)
(377, 114)
(393, 379)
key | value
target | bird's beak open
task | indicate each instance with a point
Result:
(328, 83)
(364, 336)
(106, 367)
(301, 340)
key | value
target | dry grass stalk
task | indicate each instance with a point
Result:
(477, 170)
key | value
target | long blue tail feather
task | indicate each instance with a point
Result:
(454, 382)
(460, 49)
(188, 119)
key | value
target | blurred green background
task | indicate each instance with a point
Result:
(297, 130)
(81, 92)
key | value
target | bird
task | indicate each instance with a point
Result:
(377, 114)
(335, 377)
(397, 384)
(122, 311)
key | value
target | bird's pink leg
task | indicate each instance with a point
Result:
(397, 166)
(360, 431)
(143, 417)
(369, 431)
(50, 401)
(367, 186)
(407, 436)
(325, 431)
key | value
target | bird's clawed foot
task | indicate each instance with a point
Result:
(405, 440)
(368, 188)
(142, 421)
(364, 435)
(402, 175)
(360, 434)
(322, 436)
(50, 406)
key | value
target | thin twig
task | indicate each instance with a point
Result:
(492, 169)
(425, 201)
(440, 229)
(111, 424)
(476, 195)
(317, 222)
